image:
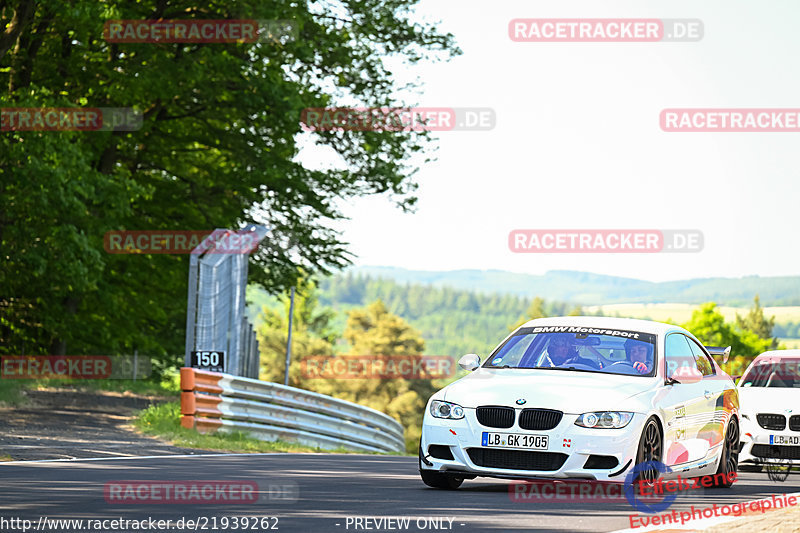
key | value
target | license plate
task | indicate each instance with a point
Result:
(784, 439)
(514, 440)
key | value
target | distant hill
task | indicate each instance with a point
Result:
(452, 321)
(585, 288)
(468, 311)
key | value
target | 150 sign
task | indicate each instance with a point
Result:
(208, 360)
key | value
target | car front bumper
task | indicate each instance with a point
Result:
(757, 448)
(569, 448)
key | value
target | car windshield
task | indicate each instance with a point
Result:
(574, 348)
(783, 374)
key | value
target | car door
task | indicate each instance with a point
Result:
(683, 406)
(712, 423)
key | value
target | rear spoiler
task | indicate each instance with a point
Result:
(716, 350)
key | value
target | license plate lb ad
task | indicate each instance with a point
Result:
(514, 440)
(792, 440)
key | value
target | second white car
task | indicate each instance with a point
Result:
(770, 394)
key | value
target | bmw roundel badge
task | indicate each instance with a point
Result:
(521, 401)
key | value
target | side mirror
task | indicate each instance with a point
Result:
(469, 362)
(686, 374)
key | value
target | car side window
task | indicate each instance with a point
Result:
(704, 365)
(678, 353)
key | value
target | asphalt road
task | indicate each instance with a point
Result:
(62, 423)
(315, 493)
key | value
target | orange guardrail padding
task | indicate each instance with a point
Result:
(207, 425)
(187, 378)
(207, 404)
(207, 382)
(187, 421)
(188, 403)
(193, 379)
(193, 403)
(200, 411)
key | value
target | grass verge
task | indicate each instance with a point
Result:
(163, 421)
(11, 392)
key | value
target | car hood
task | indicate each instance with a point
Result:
(567, 391)
(769, 399)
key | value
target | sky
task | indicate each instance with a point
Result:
(577, 144)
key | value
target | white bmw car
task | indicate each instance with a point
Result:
(584, 398)
(770, 394)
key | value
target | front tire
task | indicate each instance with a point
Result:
(650, 450)
(436, 479)
(440, 481)
(729, 459)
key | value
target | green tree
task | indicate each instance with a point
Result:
(312, 335)
(218, 147)
(447, 327)
(370, 331)
(709, 326)
(375, 331)
(536, 310)
(576, 311)
(756, 322)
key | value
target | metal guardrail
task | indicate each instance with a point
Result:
(212, 402)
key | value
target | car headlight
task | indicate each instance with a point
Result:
(604, 419)
(449, 410)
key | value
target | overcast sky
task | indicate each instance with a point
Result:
(578, 144)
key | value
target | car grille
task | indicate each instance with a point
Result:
(776, 452)
(794, 423)
(771, 421)
(516, 460)
(539, 419)
(495, 417)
